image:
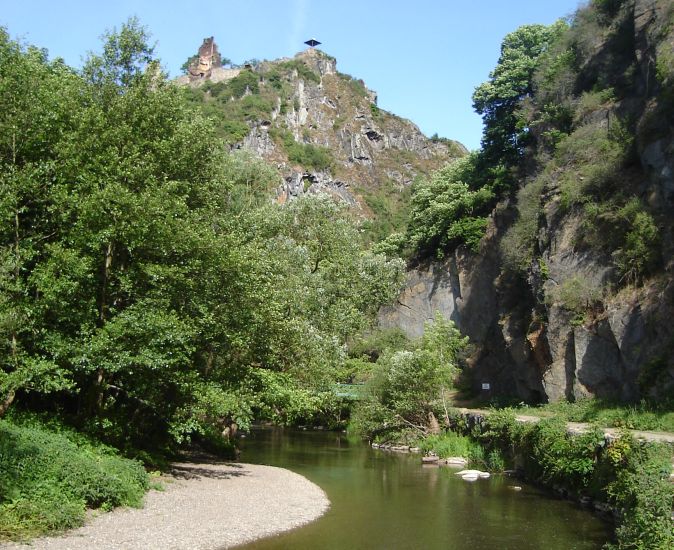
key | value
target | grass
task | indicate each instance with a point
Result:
(453, 444)
(50, 475)
(638, 416)
(307, 155)
(390, 205)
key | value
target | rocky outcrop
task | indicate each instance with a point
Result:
(299, 184)
(529, 341)
(318, 106)
(624, 354)
(428, 289)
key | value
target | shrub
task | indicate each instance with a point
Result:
(561, 458)
(310, 156)
(243, 82)
(590, 158)
(407, 385)
(303, 70)
(518, 244)
(665, 64)
(644, 495)
(445, 212)
(357, 86)
(577, 294)
(48, 478)
(233, 131)
(591, 102)
(495, 461)
(376, 342)
(640, 252)
(305, 154)
(632, 476)
(254, 107)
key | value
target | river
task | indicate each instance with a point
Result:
(381, 500)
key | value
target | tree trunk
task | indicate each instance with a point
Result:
(7, 402)
(433, 424)
(97, 398)
(107, 264)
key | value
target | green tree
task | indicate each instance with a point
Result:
(145, 276)
(125, 57)
(445, 212)
(36, 99)
(407, 388)
(505, 135)
(185, 67)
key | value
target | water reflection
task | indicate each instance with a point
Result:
(387, 501)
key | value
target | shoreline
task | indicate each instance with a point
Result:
(204, 506)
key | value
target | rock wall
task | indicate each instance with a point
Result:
(625, 353)
(529, 345)
(371, 147)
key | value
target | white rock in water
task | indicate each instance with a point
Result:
(470, 477)
(485, 475)
(468, 473)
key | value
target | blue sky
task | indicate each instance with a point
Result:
(423, 57)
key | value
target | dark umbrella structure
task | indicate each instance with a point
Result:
(312, 42)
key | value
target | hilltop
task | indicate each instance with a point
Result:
(321, 128)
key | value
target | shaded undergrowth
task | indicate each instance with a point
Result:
(50, 475)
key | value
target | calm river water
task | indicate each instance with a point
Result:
(390, 501)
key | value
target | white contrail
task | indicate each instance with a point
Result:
(295, 39)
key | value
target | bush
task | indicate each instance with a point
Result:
(233, 131)
(633, 477)
(375, 343)
(254, 107)
(590, 158)
(576, 294)
(310, 156)
(518, 244)
(591, 102)
(48, 478)
(640, 252)
(445, 212)
(643, 493)
(306, 155)
(408, 386)
(303, 70)
(245, 81)
(357, 86)
(560, 458)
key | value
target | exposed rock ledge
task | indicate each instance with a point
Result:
(204, 506)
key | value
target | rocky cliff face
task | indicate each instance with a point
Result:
(530, 343)
(314, 108)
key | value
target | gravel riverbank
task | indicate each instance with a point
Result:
(203, 507)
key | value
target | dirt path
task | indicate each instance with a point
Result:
(579, 427)
(203, 506)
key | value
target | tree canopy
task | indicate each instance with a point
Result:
(499, 98)
(146, 281)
